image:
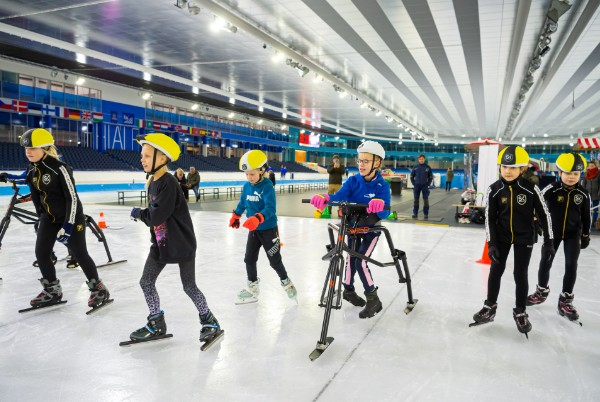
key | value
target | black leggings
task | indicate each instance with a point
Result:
(46, 237)
(269, 240)
(571, 248)
(187, 272)
(522, 257)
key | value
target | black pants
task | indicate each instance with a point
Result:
(46, 237)
(187, 272)
(269, 240)
(522, 257)
(572, 247)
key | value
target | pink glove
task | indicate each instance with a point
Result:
(375, 205)
(319, 201)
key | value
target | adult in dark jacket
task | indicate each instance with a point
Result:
(193, 181)
(336, 170)
(180, 177)
(172, 236)
(421, 177)
(61, 218)
(449, 178)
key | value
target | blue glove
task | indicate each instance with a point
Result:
(64, 233)
(136, 213)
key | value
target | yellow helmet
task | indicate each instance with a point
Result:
(254, 159)
(513, 155)
(163, 143)
(37, 138)
(571, 162)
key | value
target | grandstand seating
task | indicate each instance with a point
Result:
(12, 157)
(88, 159)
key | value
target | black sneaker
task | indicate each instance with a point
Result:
(414, 216)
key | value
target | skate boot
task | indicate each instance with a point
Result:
(156, 327)
(522, 320)
(52, 294)
(373, 305)
(289, 288)
(565, 306)
(211, 330)
(99, 294)
(249, 294)
(539, 296)
(72, 262)
(485, 315)
(53, 258)
(353, 297)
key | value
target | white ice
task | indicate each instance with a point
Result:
(60, 354)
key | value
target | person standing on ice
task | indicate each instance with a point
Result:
(367, 187)
(61, 218)
(259, 203)
(172, 236)
(511, 205)
(569, 205)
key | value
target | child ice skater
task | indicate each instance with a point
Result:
(258, 200)
(509, 221)
(368, 187)
(569, 205)
(172, 236)
(61, 219)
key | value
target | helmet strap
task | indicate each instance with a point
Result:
(157, 168)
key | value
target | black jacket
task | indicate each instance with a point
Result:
(171, 228)
(569, 208)
(53, 191)
(509, 212)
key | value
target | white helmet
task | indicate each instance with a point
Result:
(251, 160)
(372, 147)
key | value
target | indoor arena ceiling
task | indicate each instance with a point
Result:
(449, 70)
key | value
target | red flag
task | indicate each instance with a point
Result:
(19, 106)
(85, 115)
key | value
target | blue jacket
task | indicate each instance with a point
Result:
(259, 198)
(356, 189)
(421, 174)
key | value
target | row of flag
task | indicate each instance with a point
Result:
(161, 126)
(50, 110)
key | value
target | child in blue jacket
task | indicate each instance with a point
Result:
(258, 200)
(368, 187)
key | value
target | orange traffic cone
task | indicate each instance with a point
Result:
(485, 258)
(102, 221)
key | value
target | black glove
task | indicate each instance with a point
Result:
(538, 228)
(548, 251)
(585, 241)
(494, 253)
(4, 177)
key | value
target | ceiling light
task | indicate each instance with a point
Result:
(302, 70)
(230, 115)
(195, 106)
(259, 121)
(145, 95)
(284, 127)
(378, 113)
(545, 135)
(80, 81)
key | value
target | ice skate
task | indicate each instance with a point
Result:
(249, 294)
(99, 296)
(211, 331)
(71, 262)
(353, 298)
(373, 305)
(566, 308)
(53, 258)
(539, 296)
(50, 296)
(485, 315)
(155, 329)
(522, 321)
(290, 289)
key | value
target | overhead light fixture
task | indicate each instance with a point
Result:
(195, 106)
(220, 23)
(80, 81)
(53, 73)
(193, 8)
(230, 115)
(259, 121)
(145, 95)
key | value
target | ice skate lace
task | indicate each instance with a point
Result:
(567, 305)
(485, 311)
(521, 318)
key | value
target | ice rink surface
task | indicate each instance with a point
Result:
(60, 354)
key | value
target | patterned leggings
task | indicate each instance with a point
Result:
(187, 271)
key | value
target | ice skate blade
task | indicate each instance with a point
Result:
(567, 318)
(321, 347)
(239, 302)
(155, 338)
(110, 263)
(476, 324)
(42, 307)
(410, 306)
(94, 309)
(209, 344)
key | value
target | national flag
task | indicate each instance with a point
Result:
(51, 110)
(5, 104)
(19, 106)
(156, 125)
(128, 118)
(74, 114)
(141, 123)
(85, 115)
(165, 126)
(97, 117)
(34, 108)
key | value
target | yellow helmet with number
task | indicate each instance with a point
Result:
(254, 159)
(37, 138)
(163, 143)
(513, 155)
(571, 162)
